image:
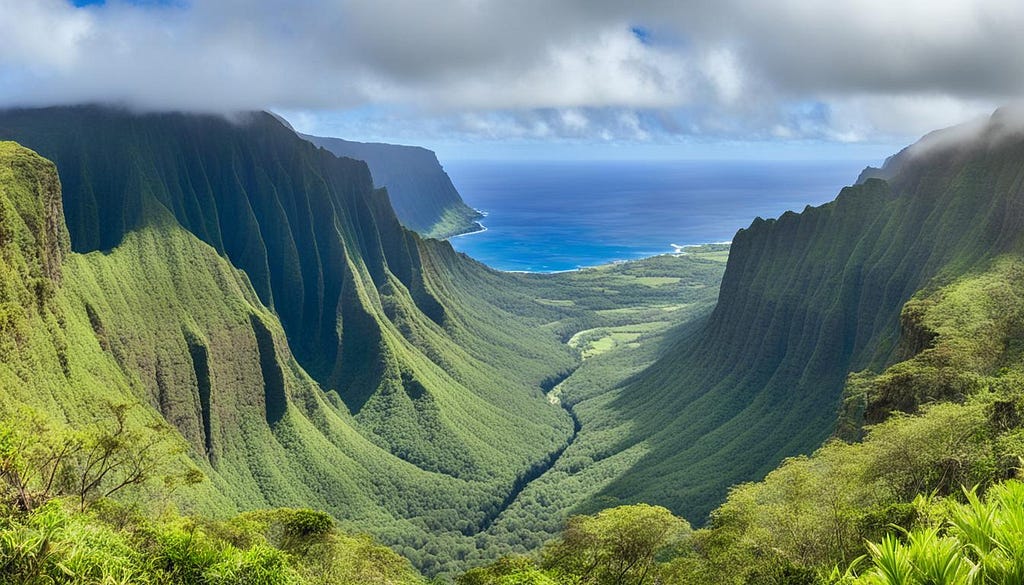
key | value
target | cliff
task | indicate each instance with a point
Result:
(422, 194)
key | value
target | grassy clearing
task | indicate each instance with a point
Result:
(598, 340)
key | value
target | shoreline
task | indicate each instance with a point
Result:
(678, 251)
(482, 229)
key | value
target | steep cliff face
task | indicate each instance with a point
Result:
(260, 295)
(165, 322)
(421, 192)
(808, 298)
(272, 209)
(33, 244)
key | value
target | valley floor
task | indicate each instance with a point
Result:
(620, 318)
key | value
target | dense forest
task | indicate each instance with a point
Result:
(231, 363)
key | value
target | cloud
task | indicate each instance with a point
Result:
(573, 69)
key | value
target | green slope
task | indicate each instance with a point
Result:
(324, 251)
(947, 419)
(420, 191)
(165, 320)
(439, 360)
(805, 300)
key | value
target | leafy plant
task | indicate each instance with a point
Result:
(978, 542)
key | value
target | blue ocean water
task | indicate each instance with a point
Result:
(549, 216)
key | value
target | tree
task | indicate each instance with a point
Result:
(40, 460)
(514, 570)
(617, 546)
(33, 453)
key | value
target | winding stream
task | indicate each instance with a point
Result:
(539, 468)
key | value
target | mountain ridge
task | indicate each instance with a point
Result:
(290, 247)
(806, 299)
(420, 191)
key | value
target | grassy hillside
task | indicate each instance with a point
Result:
(806, 299)
(420, 191)
(324, 252)
(164, 322)
(419, 419)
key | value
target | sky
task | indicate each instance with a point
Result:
(535, 79)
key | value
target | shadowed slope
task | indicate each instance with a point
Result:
(806, 299)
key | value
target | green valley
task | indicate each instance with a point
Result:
(220, 306)
(420, 445)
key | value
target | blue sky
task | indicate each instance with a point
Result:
(601, 79)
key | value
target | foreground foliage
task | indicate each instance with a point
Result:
(618, 545)
(977, 542)
(59, 525)
(55, 543)
(890, 509)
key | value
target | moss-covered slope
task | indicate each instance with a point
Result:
(805, 300)
(164, 321)
(210, 252)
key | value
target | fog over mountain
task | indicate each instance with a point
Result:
(577, 70)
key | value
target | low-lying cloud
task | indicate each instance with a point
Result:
(847, 70)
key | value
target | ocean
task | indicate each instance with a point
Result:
(552, 216)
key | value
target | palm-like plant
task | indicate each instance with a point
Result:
(993, 532)
(980, 543)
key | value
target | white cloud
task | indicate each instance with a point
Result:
(903, 114)
(43, 36)
(722, 68)
(534, 68)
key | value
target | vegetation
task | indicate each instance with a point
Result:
(974, 542)
(59, 525)
(847, 513)
(109, 543)
(422, 194)
(39, 461)
(619, 545)
(284, 342)
(456, 423)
